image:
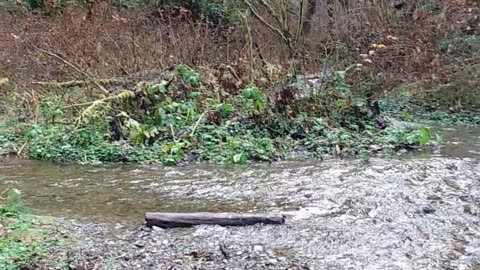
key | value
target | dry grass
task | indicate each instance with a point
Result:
(129, 43)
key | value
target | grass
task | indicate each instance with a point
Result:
(22, 241)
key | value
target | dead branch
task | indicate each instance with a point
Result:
(281, 32)
(80, 83)
(77, 69)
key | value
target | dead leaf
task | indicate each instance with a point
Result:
(14, 36)
(418, 14)
(392, 37)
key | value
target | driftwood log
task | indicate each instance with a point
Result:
(172, 220)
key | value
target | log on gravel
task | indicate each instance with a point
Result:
(172, 220)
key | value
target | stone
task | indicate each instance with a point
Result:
(140, 244)
(258, 248)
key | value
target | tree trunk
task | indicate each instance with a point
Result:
(307, 25)
(172, 220)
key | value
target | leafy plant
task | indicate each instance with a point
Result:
(13, 206)
(254, 97)
(173, 152)
(189, 75)
(20, 243)
(174, 121)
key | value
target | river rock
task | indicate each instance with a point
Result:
(157, 229)
(140, 244)
(258, 248)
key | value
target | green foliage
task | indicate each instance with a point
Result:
(173, 152)
(254, 98)
(13, 206)
(20, 243)
(405, 106)
(396, 102)
(212, 11)
(460, 43)
(181, 120)
(465, 118)
(396, 137)
(340, 84)
(9, 137)
(34, 5)
(65, 145)
(189, 75)
(365, 155)
(220, 11)
(239, 150)
(234, 144)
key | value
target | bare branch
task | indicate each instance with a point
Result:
(77, 69)
(271, 11)
(262, 20)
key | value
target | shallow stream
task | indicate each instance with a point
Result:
(419, 211)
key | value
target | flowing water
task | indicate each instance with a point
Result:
(419, 211)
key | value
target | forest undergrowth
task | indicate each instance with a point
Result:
(234, 81)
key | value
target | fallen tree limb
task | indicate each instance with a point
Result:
(80, 83)
(172, 220)
(76, 68)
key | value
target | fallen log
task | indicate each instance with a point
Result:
(172, 220)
